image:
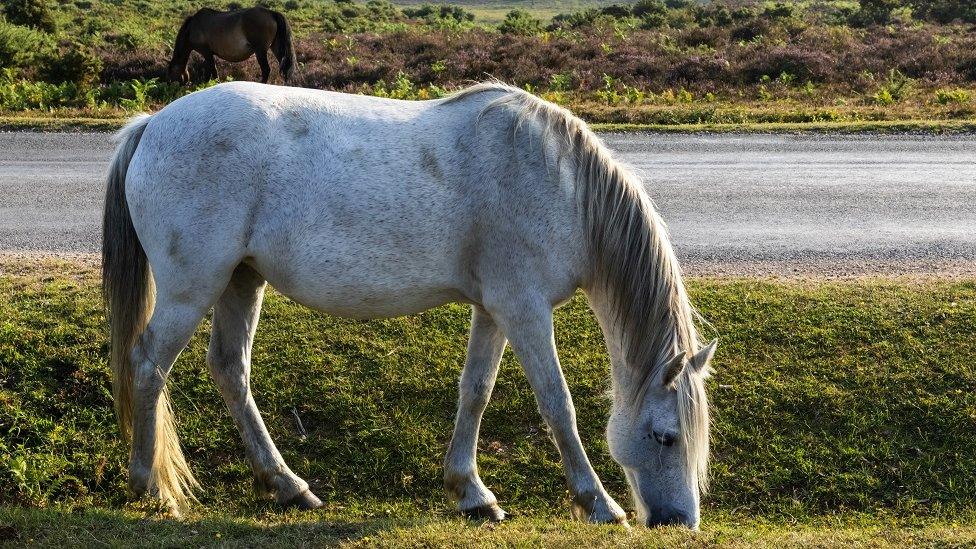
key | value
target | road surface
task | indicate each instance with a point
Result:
(736, 204)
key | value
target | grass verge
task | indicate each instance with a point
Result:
(939, 127)
(844, 413)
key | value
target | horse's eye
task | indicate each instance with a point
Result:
(666, 438)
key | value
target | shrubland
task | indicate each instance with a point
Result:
(653, 61)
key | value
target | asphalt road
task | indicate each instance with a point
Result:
(739, 204)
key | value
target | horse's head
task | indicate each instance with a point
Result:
(661, 440)
(177, 73)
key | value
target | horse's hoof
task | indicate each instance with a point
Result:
(491, 512)
(304, 501)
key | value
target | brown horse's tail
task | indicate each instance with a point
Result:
(129, 293)
(283, 48)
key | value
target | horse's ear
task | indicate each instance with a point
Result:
(700, 362)
(673, 369)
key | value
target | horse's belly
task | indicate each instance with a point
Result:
(234, 49)
(380, 292)
(377, 304)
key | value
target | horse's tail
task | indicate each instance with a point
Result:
(283, 48)
(129, 293)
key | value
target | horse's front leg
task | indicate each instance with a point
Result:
(485, 347)
(211, 65)
(528, 324)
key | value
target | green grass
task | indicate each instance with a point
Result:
(99, 527)
(844, 412)
(872, 127)
(32, 122)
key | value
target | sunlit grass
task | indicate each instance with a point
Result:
(844, 412)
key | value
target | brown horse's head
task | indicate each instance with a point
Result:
(176, 73)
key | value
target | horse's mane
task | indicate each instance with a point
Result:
(633, 261)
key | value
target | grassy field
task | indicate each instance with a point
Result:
(844, 414)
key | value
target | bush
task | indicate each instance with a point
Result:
(348, 16)
(800, 62)
(74, 63)
(778, 10)
(649, 7)
(21, 47)
(874, 11)
(439, 13)
(713, 15)
(30, 13)
(616, 11)
(519, 21)
(945, 11)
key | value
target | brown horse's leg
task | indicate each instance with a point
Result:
(262, 56)
(211, 66)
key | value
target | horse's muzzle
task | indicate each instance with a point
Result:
(668, 517)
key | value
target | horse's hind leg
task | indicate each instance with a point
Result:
(461, 479)
(156, 462)
(262, 55)
(155, 454)
(235, 320)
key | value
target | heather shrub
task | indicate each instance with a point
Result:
(30, 13)
(769, 51)
(794, 59)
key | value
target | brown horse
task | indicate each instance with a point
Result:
(233, 36)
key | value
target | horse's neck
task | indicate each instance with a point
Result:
(599, 299)
(625, 377)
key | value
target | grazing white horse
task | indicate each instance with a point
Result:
(366, 207)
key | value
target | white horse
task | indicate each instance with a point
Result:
(366, 207)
